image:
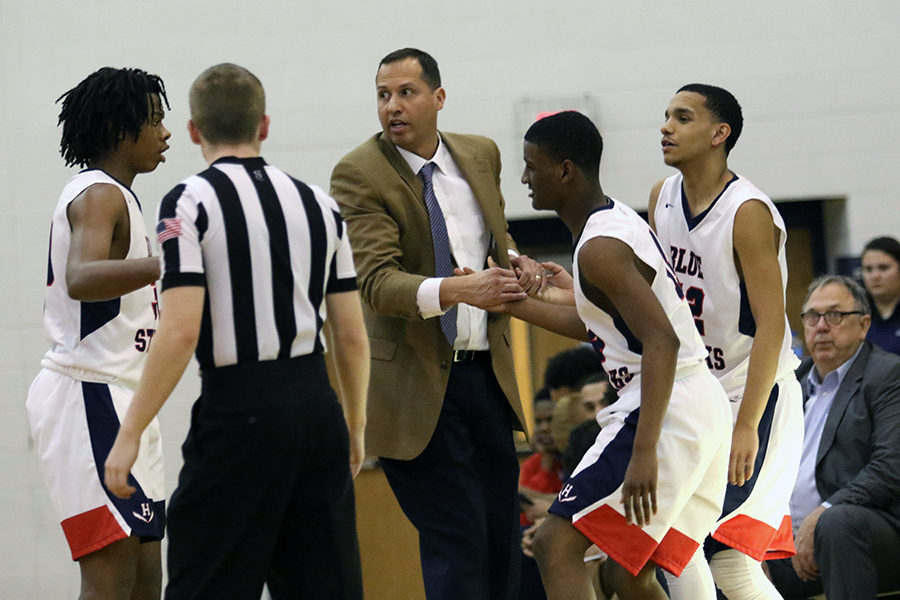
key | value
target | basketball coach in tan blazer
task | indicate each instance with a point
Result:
(442, 397)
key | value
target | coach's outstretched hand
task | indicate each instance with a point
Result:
(119, 462)
(490, 289)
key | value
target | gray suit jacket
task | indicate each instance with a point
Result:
(858, 461)
(381, 200)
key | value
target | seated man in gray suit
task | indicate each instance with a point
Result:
(846, 502)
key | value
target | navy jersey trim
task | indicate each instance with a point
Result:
(634, 344)
(746, 322)
(280, 257)
(50, 277)
(95, 315)
(692, 222)
(318, 244)
(607, 206)
(239, 263)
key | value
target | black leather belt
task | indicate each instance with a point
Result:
(469, 355)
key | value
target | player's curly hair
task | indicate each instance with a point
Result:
(103, 109)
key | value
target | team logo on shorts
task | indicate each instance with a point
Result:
(564, 496)
(146, 513)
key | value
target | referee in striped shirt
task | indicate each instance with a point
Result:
(253, 260)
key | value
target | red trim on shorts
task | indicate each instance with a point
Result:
(756, 539)
(625, 543)
(89, 531)
(674, 551)
(782, 545)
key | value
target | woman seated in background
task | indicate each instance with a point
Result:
(881, 277)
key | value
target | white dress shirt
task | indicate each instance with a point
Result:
(805, 497)
(469, 242)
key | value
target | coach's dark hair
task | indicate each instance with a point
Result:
(430, 72)
(860, 298)
(886, 244)
(568, 135)
(227, 103)
(98, 113)
(724, 106)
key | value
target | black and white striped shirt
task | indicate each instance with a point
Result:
(267, 247)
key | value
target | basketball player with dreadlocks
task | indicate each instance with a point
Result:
(100, 314)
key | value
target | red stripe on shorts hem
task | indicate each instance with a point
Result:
(674, 551)
(756, 539)
(625, 543)
(89, 531)
(782, 545)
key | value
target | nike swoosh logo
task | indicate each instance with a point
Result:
(567, 499)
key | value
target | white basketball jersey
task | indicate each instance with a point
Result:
(701, 250)
(97, 341)
(619, 349)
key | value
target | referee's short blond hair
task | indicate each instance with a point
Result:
(227, 104)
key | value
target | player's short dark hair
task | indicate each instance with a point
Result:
(886, 244)
(541, 394)
(101, 111)
(430, 72)
(598, 377)
(723, 105)
(570, 367)
(568, 135)
(227, 103)
(610, 394)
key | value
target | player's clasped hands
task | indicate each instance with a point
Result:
(546, 281)
(558, 286)
(529, 273)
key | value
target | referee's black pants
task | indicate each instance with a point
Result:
(265, 494)
(461, 491)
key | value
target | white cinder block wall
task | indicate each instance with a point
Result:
(818, 80)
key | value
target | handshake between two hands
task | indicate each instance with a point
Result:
(495, 288)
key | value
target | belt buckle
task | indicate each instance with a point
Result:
(463, 355)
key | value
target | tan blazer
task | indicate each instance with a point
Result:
(381, 200)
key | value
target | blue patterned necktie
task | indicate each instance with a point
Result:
(443, 262)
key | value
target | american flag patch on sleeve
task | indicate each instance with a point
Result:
(167, 229)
